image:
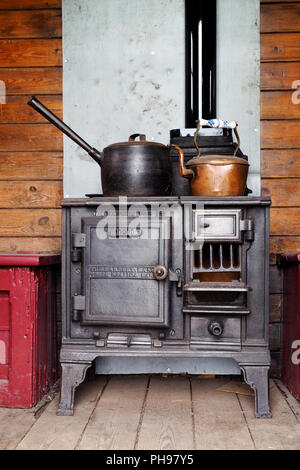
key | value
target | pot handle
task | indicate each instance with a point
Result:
(217, 124)
(183, 171)
(51, 117)
(135, 136)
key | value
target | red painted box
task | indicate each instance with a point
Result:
(28, 349)
(291, 322)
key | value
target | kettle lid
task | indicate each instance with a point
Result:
(217, 160)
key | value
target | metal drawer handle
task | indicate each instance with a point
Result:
(160, 272)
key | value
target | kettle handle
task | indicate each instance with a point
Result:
(218, 124)
(183, 171)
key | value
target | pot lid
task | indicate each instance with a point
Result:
(132, 142)
(217, 160)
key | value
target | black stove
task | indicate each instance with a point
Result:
(176, 277)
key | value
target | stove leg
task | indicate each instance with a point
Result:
(258, 379)
(72, 376)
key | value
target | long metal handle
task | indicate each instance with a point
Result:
(53, 119)
(218, 124)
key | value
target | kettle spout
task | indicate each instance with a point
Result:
(97, 156)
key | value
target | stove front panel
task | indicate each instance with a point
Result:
(118, 271)
(212, 297)
(125, 267)
(197, 287)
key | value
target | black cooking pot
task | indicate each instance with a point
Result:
(133, 168)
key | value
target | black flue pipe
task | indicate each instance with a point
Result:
(197, 11)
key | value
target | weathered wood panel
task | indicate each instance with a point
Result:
(31, 81)
(16, 109)
(285, 221)
(31, 137)
(167, 421)
(279, 105)
(275, 308)
(28, 4)
(30, 53)
(231, 433)
(280, 46)
(275, 336)
(30, 223)
(275, 18)
(276, 364)
(31, 150)
(47, 433)
(36, 194)
(284, 245)
(27, 166)
(276, 281)
(283, 419)
(279, 75)
(14, 426)
(280, 134)
(280, 163)
(29, 244)
(116, 433)
(30, 24)
(284, 192)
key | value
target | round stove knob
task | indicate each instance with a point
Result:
(160, 272)
(216, 328)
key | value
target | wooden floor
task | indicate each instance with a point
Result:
(142, 412)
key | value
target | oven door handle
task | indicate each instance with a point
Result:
(176, 276)
(161, 273)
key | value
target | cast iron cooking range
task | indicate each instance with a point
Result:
(129, 296)
(203, 294)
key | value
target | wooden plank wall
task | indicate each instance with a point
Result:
(30, 149)
(280, 141)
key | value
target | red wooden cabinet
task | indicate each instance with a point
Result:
(291, 322)
(28, 347)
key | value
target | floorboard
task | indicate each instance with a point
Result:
(114, 423)
(282, 432)
(14, 425)
(219, 422)
(156, 413)
(52, 432)
(167, 421)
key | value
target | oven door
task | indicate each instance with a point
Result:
(119, 272)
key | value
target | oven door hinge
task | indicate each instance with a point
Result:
(78, 242)
(247, 226)
(78, 306)
(176, 276)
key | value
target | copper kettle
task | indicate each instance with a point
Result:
(216, 175)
